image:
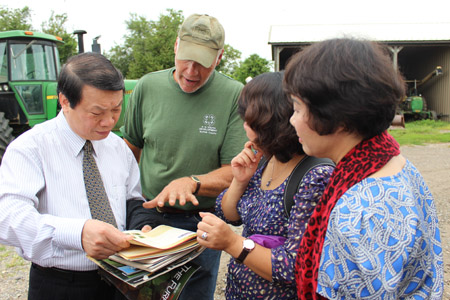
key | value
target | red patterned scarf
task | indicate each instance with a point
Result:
(363, 160)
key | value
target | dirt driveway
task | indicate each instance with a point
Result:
(433, 161)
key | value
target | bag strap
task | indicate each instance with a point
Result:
(262, 161)
(295, 179)
(303, 167)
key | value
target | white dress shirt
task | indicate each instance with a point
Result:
(43, 202)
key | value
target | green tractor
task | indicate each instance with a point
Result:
(29, 68)
(414, 107)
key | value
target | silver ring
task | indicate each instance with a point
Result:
(204, 236)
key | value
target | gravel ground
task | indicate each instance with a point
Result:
(433, 161)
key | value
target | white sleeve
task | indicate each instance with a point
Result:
(38, 236)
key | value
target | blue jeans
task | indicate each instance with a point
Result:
(202, 285)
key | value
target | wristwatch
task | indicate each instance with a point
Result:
(247, 246)
(195, 178)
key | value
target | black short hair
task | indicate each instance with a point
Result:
(88, 68)
(348, 83)
(265, 107)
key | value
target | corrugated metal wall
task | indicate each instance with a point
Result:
(437, 90)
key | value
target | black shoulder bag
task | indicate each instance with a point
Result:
(295, 179)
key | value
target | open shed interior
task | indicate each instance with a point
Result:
(417, 62)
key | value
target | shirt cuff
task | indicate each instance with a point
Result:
(68, 234)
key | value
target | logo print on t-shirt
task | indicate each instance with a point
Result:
(208, 124)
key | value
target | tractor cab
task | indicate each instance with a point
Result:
(29, 67)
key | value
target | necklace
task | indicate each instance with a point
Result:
(270, 179)
(273, 169)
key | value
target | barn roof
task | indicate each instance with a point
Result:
(392, 32)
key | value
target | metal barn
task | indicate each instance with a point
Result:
(416, 48)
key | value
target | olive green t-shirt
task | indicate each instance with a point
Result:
(182, 134)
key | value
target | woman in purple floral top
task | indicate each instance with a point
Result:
(262, 263)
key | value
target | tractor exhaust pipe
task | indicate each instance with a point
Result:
(80, 33)
(96, 47)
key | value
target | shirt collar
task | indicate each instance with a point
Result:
(74, 141)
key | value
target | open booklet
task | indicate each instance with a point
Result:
(160, 241)
(161, 237)
(165, 250)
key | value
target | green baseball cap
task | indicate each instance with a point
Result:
(200, 39)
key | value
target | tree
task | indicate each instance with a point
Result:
(120, 56)
(251, 67)
(15, 19)
(164, 35)
(148, 46)
(55, 26)
(230, 60)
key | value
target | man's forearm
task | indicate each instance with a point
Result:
(214, 182)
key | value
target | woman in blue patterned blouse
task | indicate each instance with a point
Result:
(374, 233)
(262, 263)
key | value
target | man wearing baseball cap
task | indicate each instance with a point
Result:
(183, 127)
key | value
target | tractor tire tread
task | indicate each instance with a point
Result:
(6, 136)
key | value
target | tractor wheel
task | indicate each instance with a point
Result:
(6, 136)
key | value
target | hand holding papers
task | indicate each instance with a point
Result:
(152, 254)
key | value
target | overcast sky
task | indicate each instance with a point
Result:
(246, 22)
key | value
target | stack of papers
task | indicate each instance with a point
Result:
(152, 254)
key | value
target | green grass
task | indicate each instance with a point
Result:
(16, 261)
(13, 259)
(422, 132)
(3, 252)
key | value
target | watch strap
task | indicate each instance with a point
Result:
(245, 251)
(197, 181)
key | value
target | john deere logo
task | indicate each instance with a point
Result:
(208, 124)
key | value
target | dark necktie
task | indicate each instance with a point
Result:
(95, 191)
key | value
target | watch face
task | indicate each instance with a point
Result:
(195, 179)
(249, 244)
